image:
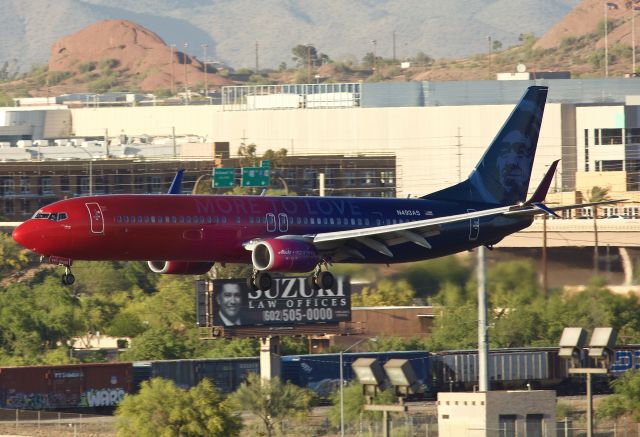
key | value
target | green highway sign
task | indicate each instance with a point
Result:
(265, 163)
(223, 178)
(256, 176)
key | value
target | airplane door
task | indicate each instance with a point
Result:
(474, 227)
(95, 218)
(271, 222)
(283, 222)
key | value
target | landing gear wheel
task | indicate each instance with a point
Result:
(325, 280)
(68, 279)
(262, 281)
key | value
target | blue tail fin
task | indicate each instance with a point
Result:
(502, 175)
(176, 185)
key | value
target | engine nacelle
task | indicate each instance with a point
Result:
(282, 255)
(180, 267)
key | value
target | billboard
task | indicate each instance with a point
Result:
(290, 301)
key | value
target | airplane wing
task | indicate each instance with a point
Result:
(382, 238)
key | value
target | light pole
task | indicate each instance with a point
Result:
(90, 168)
(342, 384)
(375, 50)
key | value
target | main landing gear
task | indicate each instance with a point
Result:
(260, 280)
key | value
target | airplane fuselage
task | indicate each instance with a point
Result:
(216, 228)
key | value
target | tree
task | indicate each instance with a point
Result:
(308, 54)
(354, 403)
(626, 397)
(384, 293)
(422, 58)
(163, 409)
(272, 401)
(248, 157)
(496, 45)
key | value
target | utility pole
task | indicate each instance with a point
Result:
(186, 79)
(483, 334)
(606, 41)
(308, 63)
(173, 73)
(257, 58)
(545, 271)
(633, 39)
(375, 50)
(596, 257)
(204, 72)
(490, 53)
(394, 45)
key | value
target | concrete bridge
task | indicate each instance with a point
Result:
(614, 232)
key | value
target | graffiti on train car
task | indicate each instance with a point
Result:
(625, 360)
(106, 397)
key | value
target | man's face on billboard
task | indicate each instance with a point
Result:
(230, 300)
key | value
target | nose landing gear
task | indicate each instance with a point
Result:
(67, 276)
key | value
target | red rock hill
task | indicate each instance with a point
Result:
(140, 55)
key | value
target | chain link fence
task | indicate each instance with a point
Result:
(53, 424)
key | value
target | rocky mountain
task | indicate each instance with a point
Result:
(231, 28)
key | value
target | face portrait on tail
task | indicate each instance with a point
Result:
(513, 165)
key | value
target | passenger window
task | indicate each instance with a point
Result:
(119, 219)
(167, 219)
(133, 219)
(153, 219)
(195, 219)
(174, 219)
(208, 219)
(160, 219)
(146, 219)
(366, 222)
(331, 220)
(353, 222)
(359, 222)
(395, 221)
(238, 220)
(126, 219)
(215, 219)
(378, 222)
(339, 220)
(325, 221)
(181, 219)
(388, 221)
(224, 219)
(250, 220)
(305, 220)
(298, 220)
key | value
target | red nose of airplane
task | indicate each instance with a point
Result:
(19, 235)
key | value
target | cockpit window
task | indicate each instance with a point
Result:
(41, 215)
(53, 216)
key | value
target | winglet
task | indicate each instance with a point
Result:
(176, 185)
(543, 188)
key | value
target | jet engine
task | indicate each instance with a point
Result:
(180, 267)
(284, 255)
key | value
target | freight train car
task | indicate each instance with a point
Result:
(77, 387)
(508, 369)
(321, 372)
(226, 373)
